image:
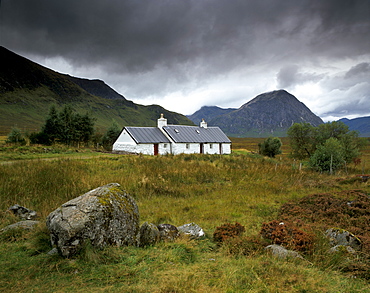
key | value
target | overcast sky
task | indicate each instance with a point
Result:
(184, 54)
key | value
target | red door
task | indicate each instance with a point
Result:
(155, 149)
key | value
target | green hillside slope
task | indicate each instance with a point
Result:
(27, 91)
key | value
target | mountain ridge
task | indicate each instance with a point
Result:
(28, 90)
(360, 124)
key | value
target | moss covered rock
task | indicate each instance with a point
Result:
(104, 216)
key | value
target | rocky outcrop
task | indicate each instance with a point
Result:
(104, 216)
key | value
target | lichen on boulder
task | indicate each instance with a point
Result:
(105, 216)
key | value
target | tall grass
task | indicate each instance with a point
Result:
(206, 189)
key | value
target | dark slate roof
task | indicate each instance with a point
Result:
(189, 134)
(147, 135)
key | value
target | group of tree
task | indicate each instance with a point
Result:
(327, 147)
(65, 127)
(69, 128)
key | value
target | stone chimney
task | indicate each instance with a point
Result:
(162, 122)
(203, 124)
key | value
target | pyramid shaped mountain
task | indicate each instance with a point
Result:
(268, 114)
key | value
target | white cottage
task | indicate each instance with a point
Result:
(173, 139)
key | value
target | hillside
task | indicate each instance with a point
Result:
(361, 124)
(268, 114)
(27, 90)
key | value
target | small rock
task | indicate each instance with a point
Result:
(282, 252)
(192, 230)
(168, 232)
(148, 235)
(342, 248)
(342, 237)
(22, 212)
(26, 225)
(54, 251)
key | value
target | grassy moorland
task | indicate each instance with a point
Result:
(209, 190)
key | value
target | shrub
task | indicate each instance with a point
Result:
(16, 137)
(285, 234)
(227, 231)
(270, 147)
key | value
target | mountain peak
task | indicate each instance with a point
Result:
(270, 113)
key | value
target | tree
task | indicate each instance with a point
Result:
(66, 127)
(336, 129)
(111, 136)
(329, 156)
(66, 131)
(319, 143)
(302, 140)
(51, 129)
(270, 147)
(15, 136)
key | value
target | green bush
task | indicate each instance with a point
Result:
(270, 147)
(328, 157)
(16, 137)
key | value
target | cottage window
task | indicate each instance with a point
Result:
(165, 145)
(188, 146)
(210, 145)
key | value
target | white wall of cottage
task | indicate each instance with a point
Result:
(127, 144)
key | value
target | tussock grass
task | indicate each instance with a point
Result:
(209, 190)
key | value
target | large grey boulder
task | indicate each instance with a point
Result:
(192, 230)
(343, 237)
(104, 216)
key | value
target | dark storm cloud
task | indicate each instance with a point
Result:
(139, 35)
(148, 46)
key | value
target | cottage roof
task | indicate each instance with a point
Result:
(189, 134)
(147, 135)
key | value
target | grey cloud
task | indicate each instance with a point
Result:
(177, 45)
(358, 70)
(357, 74)
(290, 76)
